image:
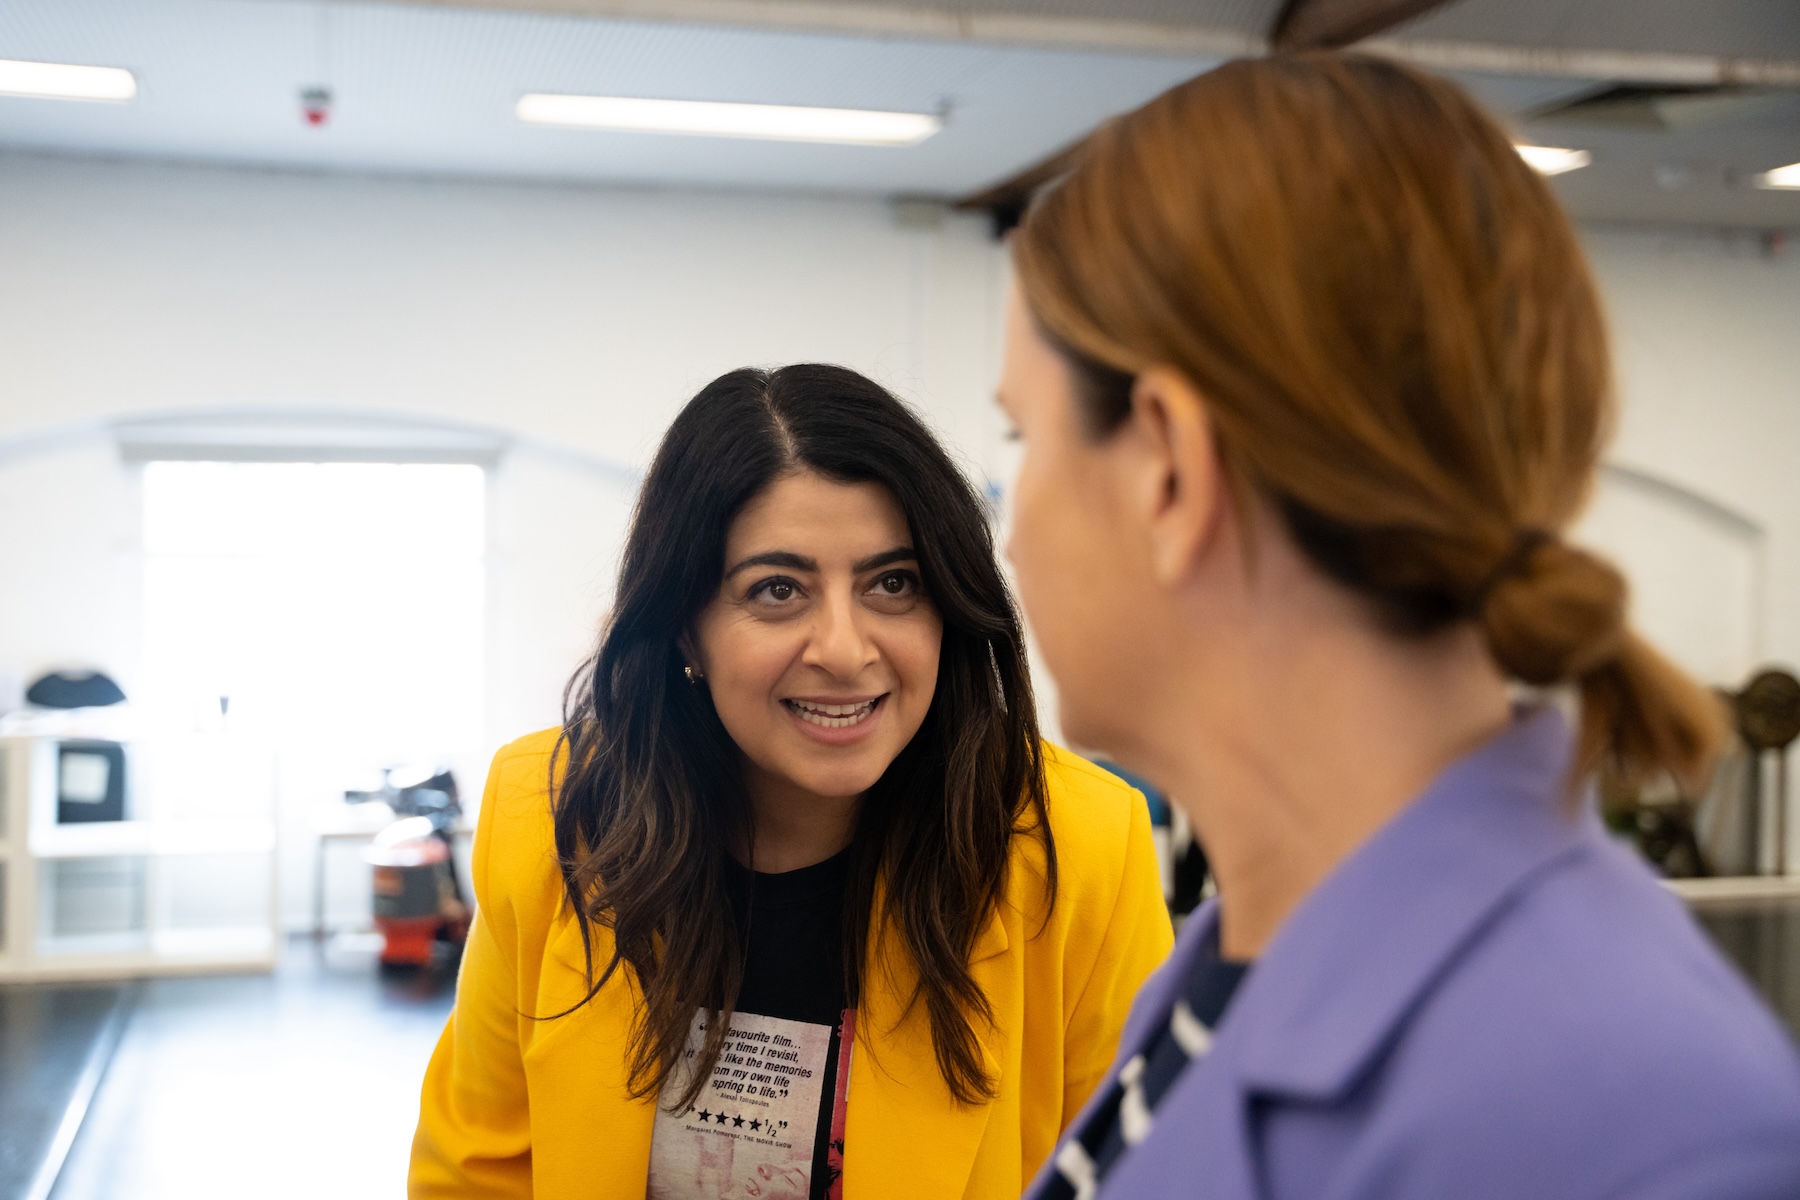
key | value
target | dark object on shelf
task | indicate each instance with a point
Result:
(90, 782)
(1768, 711)
(419, 901)
(1661, 824)
(72, 689)
(1768, 719)
(1666, 837)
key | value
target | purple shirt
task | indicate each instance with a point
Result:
(1489, 999)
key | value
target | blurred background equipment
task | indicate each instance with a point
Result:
(1740, 826)
(90, 782)
(74, 689)
(419, 902)
(107, 871)
(1743, 825)
(1768, 721)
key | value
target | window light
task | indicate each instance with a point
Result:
(60, 81)
(1781, 178)
(1553, 160)
(777, 122)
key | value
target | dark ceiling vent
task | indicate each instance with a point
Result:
(1659, 108)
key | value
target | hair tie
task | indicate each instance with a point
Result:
(1525, 543)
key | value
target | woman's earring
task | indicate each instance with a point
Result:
(692, 678)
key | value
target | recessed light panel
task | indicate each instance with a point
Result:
(1781, 178)
(1553, 160)
(62, 81)
(774, 122)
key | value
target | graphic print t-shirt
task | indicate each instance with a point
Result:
(763, 1126)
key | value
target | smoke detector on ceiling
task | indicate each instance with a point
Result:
(315, 106)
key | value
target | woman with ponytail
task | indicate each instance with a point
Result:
(1311, 381)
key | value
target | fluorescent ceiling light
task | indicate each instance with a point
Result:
(776, 122)
(59, 81)
(1553, 160)
(1781, 178)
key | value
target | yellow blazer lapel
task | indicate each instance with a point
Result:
(906, 1137)
(590, 1137)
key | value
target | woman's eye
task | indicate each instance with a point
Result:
(778, 590)
(896, 583)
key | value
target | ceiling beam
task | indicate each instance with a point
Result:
(1328, 24)
(1557, 62)
(923, 22)
(1007, 199)
(1005, 202)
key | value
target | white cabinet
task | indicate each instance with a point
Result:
(185, 883)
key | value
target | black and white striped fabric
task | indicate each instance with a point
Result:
(1128, 1113)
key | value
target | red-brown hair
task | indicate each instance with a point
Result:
(1399, 343)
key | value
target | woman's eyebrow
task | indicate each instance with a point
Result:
(799, 562)
(776, 558)
(885, 558)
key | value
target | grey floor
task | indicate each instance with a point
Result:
(1763, 939)
(46, 1035)
(303, 1083)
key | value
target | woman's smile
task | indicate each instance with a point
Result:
(836, 723)
(833, 716)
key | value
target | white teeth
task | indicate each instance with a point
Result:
(832, 716)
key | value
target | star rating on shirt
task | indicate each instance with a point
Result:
(738, 1121)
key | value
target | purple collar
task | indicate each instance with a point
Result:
(1349, 964)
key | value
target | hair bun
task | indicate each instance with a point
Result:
(1557, 616)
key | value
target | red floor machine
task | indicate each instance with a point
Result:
(419, 900)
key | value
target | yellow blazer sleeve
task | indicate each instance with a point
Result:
(1137, 938)
(474, 1135)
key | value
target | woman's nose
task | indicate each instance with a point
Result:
(838, 644)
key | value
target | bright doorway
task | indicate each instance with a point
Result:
(331, 613)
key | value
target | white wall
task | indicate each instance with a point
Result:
(581, 317)
(1706, 331)
(71, 564)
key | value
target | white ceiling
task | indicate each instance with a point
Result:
(429, 88)
(426, 89)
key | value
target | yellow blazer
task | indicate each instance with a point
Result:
(515, 1107)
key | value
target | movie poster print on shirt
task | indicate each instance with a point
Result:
(750, 1134)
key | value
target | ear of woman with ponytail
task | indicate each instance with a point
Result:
(1312, 381)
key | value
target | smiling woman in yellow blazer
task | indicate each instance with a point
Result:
(855, 653)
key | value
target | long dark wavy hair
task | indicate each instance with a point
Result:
(653, 799)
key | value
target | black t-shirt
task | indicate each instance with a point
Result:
(794, 963)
